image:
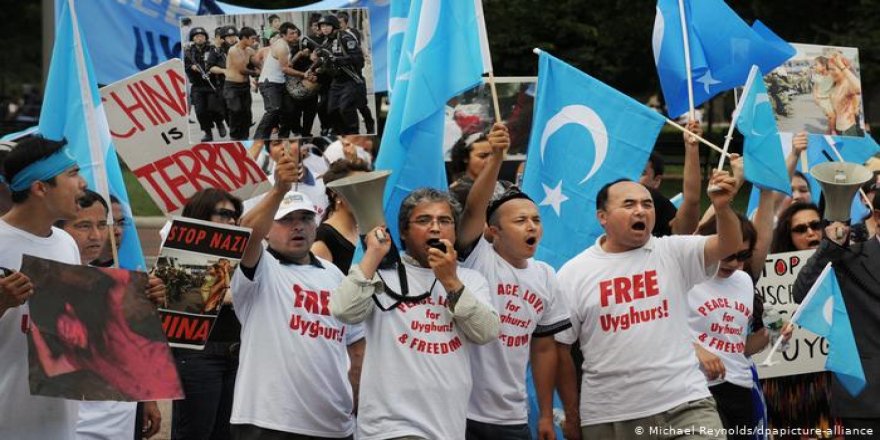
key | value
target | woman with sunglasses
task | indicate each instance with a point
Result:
(801, 401)
(798, 228)
(721, 315)
(208, 376)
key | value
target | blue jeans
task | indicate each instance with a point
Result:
(208, 379)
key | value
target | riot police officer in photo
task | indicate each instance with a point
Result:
(347, 88)
(363, 109)
(204, 95)
(224, 38)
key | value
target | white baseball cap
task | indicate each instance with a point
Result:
(294, 201)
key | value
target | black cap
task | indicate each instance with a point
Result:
(511, 194)
(197, 30)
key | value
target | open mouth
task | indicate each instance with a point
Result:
(813, 243)
(639, 226)
(531, 241)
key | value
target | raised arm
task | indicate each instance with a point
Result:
(729, 236)
(763, 222)
(260, 218)
(688, 215)
(352, 301)
(474, 217)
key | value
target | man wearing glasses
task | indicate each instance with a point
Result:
(421, 315)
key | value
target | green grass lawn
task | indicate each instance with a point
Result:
(141, 203)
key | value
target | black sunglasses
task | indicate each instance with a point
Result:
(225, 214)
(815, 225)
(739, 256)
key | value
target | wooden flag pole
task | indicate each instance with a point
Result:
(494, 90)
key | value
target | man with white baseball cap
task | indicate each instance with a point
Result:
(293, 374)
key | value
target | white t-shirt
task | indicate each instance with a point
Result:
(106, 420)
(720, 311)
(23, 416)
(416, 364)
(293, 363)
(629, 312)
(529, 304)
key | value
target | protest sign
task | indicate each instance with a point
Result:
(806, 352)
(95, 336)
(818, 91)
(196, 264)
(147, 116)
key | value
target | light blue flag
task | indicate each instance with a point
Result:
(722, 49)
(823, 312)
(396, 29)
(677, 199)
(72, 110)
(763, 161)
(585, 134)
(440, 59)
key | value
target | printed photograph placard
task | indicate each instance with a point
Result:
(818, 91)
(92, 330)
(239, 90)
(196, 264)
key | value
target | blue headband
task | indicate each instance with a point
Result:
(43, 169)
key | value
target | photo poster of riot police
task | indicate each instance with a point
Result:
(279, 75)
(819, 91)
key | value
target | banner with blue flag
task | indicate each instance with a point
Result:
(441, 57)
(584, 135)
(722, 49)
(823, 312)
(72, 110)
(763, 162)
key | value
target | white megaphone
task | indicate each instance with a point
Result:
(840, 181)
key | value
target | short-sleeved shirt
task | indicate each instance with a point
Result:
(529, 304)
(720, 312)
(293, 363)
(23, 416)
(629, 312)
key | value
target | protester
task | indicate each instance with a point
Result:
(527, 298)
(299, 367)
(276, 64)
(337, 234)
(469, 157)
(46, 187)
(608, 287)
(857, 266)
(799, 227)
(208, 375)
(417, 374)
(721, 316)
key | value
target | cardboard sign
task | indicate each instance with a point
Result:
(806, 352)
(196, 264)
(147, 114)
(94, 335)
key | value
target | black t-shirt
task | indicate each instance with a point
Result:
(341, 249)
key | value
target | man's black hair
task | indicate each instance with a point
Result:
(287, 26)
(657, 163)
(602, 196)
(247, 32)
(273, 17)
(342, 15)
(27, 151)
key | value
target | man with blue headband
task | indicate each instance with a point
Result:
(43, 178)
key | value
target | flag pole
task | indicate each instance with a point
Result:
(487, 57)
(687, 59)
(865, 199)
(735, 116)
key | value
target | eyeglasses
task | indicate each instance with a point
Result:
(815, 225)
(225, 214)
(739, 256)
(426, 221)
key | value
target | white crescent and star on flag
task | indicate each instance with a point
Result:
(586, 117)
